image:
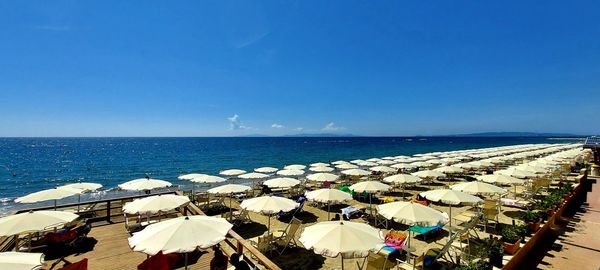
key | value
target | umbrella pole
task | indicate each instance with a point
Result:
(54, 205)
(78, 202)
(186, 261)
(328, 208)
(230, 211)
(342, 261)
(269, 225)
(370, 205)
(408, 252)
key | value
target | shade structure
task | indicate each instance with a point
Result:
(321, 169)
(319, 164)
(338, 162)
(281, 182)
(367, 163)
(85, 186)
(329, 196)
(49, 194)
(370, 187)
(266, 170)
(356, 172)
(410, 213)
(402, 179)
(516, 173)
(21, 260)
(450, 197)
(269, 205)
(477, 187)
(322, 177)
(348, 239)
(33, 221)
(532, 168)
(403, 166)
(144, 184)
(180, 235)
(205, 178)
(232, 172)
(155, 204)
(294, 167)
(190, 176)
(449, 170)
(346, 166)
(229, 189)
(500, 179)
(429, 174)
(290, 172)
(253, 175)
(383, 169)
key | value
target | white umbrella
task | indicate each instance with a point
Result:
(410, 213)
(477, 187)
(49, 194)
(253, 175)
(370, 187)
(367, 163)
(348, 239)
(383, 169)
(321, 169)
(84, 186)
(269, 205)
(356, 172)
(449, 169)
(266, 170)
(21, 260)
(516, 173)
(319, 164)
(144, 184)
(33, 221)
(346, 166)
(180, 235)
(202, 178)
(155, 204)
(328, 195)
(232, 172)
(322, 177)
(290, 172)
(228, 190)
(429, 174)
(281, 182)
(500, 179)
(338, 162)
(450, 197)
(294, 167)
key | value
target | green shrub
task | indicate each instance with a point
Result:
(512, 233)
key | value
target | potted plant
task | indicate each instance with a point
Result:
(511, 238)
(475, 265)
(532, 219)
(495, 252)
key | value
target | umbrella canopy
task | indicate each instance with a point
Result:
(253, 175)
(448, 196)
(269, 205)
(403, 166)
(356, 172)
(410, 213)
(33, 221)
(449, 169)
(402, 179)
(229, 189)
(291, 172)
(477, 187)
(321, 169)
(319, 164)
(322, 177)
(294, 167)
(232, 172)
(348, 239)
(266, 170)
(428, 174)
(384, 169)
(144, 184)
(516, 173)
(180, 235)
(328, 195)
(21, 260)
(84, 186)
(49, 194)
(531, 168)
(190, 176)
(346, 166)
(155, 204)
(500, 179)
(367, 163)
(370, 187)
(281, 182)
(202, 178)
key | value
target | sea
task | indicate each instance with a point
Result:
(32, 164)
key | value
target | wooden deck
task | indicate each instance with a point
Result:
(112, 251)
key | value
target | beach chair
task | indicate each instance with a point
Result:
(417, 262)
(380, 220)
(238, 217)
(460, 245)
(286, 237)
(490, 213)
(263, 243)
(376, 261)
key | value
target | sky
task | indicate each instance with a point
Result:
(233, 68)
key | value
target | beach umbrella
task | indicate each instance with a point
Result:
(329, 196)
(281, 182)
(477, 187)
(516, 173)
(33, 221)
(428, 174)
(370, 187)
(294, 167)
(449, 170)
(180, 235)
(403, 166)
(410, 213)
(319, 164)
(86, 187)
(322, 177)
(367, 164)
(144, 184)
(232, 172)
(346, 166)
(531, 168)
(500, 179)
(201, 178)
(155, 204)
(402, 180)
(450, 197)
(321, 169)
(269, 205)
(190, 176)
(339, 162)
(290, 172)
(228, 190)
(466, 166)
(21, 260)
(54, 194)
(383, 169)
(356, 172)
(344, 238)
(266, 170)
(253, 175)
(386, 162)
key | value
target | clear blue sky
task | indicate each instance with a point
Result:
(228, 68)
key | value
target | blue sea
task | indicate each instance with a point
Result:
(33, 164)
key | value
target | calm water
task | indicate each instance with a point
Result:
(32, 164)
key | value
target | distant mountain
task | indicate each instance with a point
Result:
(320, 135)
(516, 134)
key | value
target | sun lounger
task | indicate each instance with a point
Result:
(522, 204)
(426, 230)
(352, 212)
(286, 237)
